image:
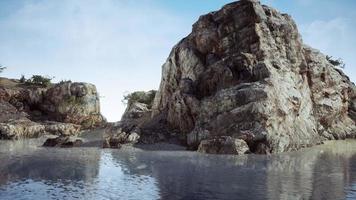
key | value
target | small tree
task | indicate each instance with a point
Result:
(39, 80)
(2, 68)
(22, 79)
(336, 62)
(140, 97)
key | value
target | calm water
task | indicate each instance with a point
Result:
(28, 171)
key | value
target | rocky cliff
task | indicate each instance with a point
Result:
(244, 76)
(33, 110)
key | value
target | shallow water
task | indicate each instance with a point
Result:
(28, 171)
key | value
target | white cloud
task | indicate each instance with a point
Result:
(117, 45)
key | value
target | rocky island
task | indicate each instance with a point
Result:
(241, 82)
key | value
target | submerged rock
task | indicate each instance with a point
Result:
(63, 141)
(244, 73)
(224, 145)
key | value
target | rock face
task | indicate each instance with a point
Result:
(76, 103)
(25, 128)
(60, 109)
(245, 73)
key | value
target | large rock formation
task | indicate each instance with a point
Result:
(244, 72)
(34, 110)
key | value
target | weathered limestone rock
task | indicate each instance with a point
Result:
(76, 103)
(27, 108)
(245, 73)
(223, 145)
(115, 137)
(63, 129)
(63, 141)
(135, 110)
(25, 128)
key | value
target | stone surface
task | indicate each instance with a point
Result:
(62, 129)
(115, 137)
(25, 128)
(245, 73)
(223, 145)
(63, 141)
(60, 109)
(76, 103)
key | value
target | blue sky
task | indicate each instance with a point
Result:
(120, 45)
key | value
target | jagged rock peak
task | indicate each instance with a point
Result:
(244, 72)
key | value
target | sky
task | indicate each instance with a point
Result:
(120, 45)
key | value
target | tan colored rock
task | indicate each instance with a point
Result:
(23, 128)
(63, 129)
(63, 141)
(244, 69)
(223, 145)
(74, 103)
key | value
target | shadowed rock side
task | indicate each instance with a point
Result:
(60, 109)
(245, 73)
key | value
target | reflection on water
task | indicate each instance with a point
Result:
(28, 171)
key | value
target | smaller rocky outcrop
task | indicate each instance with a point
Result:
(63, 141)
(64, 129)
(116, 137)
(224, 145)
(25, 128)
(30, 110)
(128, 130)
(76, 103)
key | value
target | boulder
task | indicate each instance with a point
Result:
(63, 141)
(23, 128)
(63, 129)
(135, 110)
(115, 137)
(224, 145)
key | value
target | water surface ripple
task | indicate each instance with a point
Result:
(28, 171)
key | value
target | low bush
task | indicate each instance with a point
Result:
(39, 80)
(140, 97)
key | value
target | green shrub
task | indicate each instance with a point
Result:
(336, 62)
(39, 80)
(65, 81)
(140, 97)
